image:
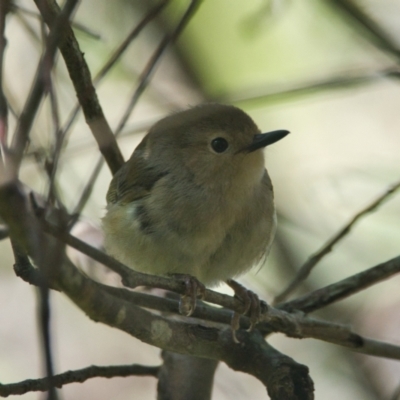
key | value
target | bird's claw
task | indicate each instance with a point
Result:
(193, 289)
(251, 306)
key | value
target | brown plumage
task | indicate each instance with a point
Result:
(194, 198)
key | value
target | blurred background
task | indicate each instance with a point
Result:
(325, 70)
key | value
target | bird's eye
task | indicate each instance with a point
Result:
(219, 145)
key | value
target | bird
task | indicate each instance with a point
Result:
(195, 199)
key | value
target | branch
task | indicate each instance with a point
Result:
(252, 356)
(80, 375)
(292, 325)
(22, 10)
(115, 56)
(153, 12)
(25, 270)
(4, 9)
(131, 278)
(299, 326)
(307, 267)
(344, 288)
(81, 79)
(57, 27)
(187, 336)
(375, 33)
(344, 80)
(155, 60)
(191, 377)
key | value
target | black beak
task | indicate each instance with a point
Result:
(265, 139)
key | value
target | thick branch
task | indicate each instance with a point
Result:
(295, 325)
(292, 325)
(81, 375)
(189, 337)
(251, 356)
(183, 377)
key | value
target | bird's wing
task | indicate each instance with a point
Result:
(134, 180)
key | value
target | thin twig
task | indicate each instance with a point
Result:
(105, 69)
(44, 324)
(307, 267)
(4, 8)
(74, 24)
(81, 79)
(128, 40)
(144, 80)
(77, 376)
(345, 80)
(375, 33)
(150, 68)
(39, 87)
(51, 165)
(32, 32)
(344, 288)
(86, 193)
(22, 263)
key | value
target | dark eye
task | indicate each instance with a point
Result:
(219, 145)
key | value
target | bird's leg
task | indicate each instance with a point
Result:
(251, 305)
(193, 289)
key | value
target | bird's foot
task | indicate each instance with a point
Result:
(251, 306)
(193, 289)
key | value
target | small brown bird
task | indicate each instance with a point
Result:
(194, 198)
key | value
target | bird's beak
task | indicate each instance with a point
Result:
(265, 139)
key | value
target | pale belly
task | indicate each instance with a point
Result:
(212, 255)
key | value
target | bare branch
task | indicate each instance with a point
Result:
(128, 40)
(100, 75)
(297, 325)
(191, 377)
(253, 356)
(118, 52)
(131, 278)
(345, 80)
(4, 9)
(307, 267)
(39, 87)
(81, 79)
(344, 288)
(293, 325)
(184, 336)
(76, 25)
(155, 60)
(80, 375)
(375, 33)
(51, 165)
